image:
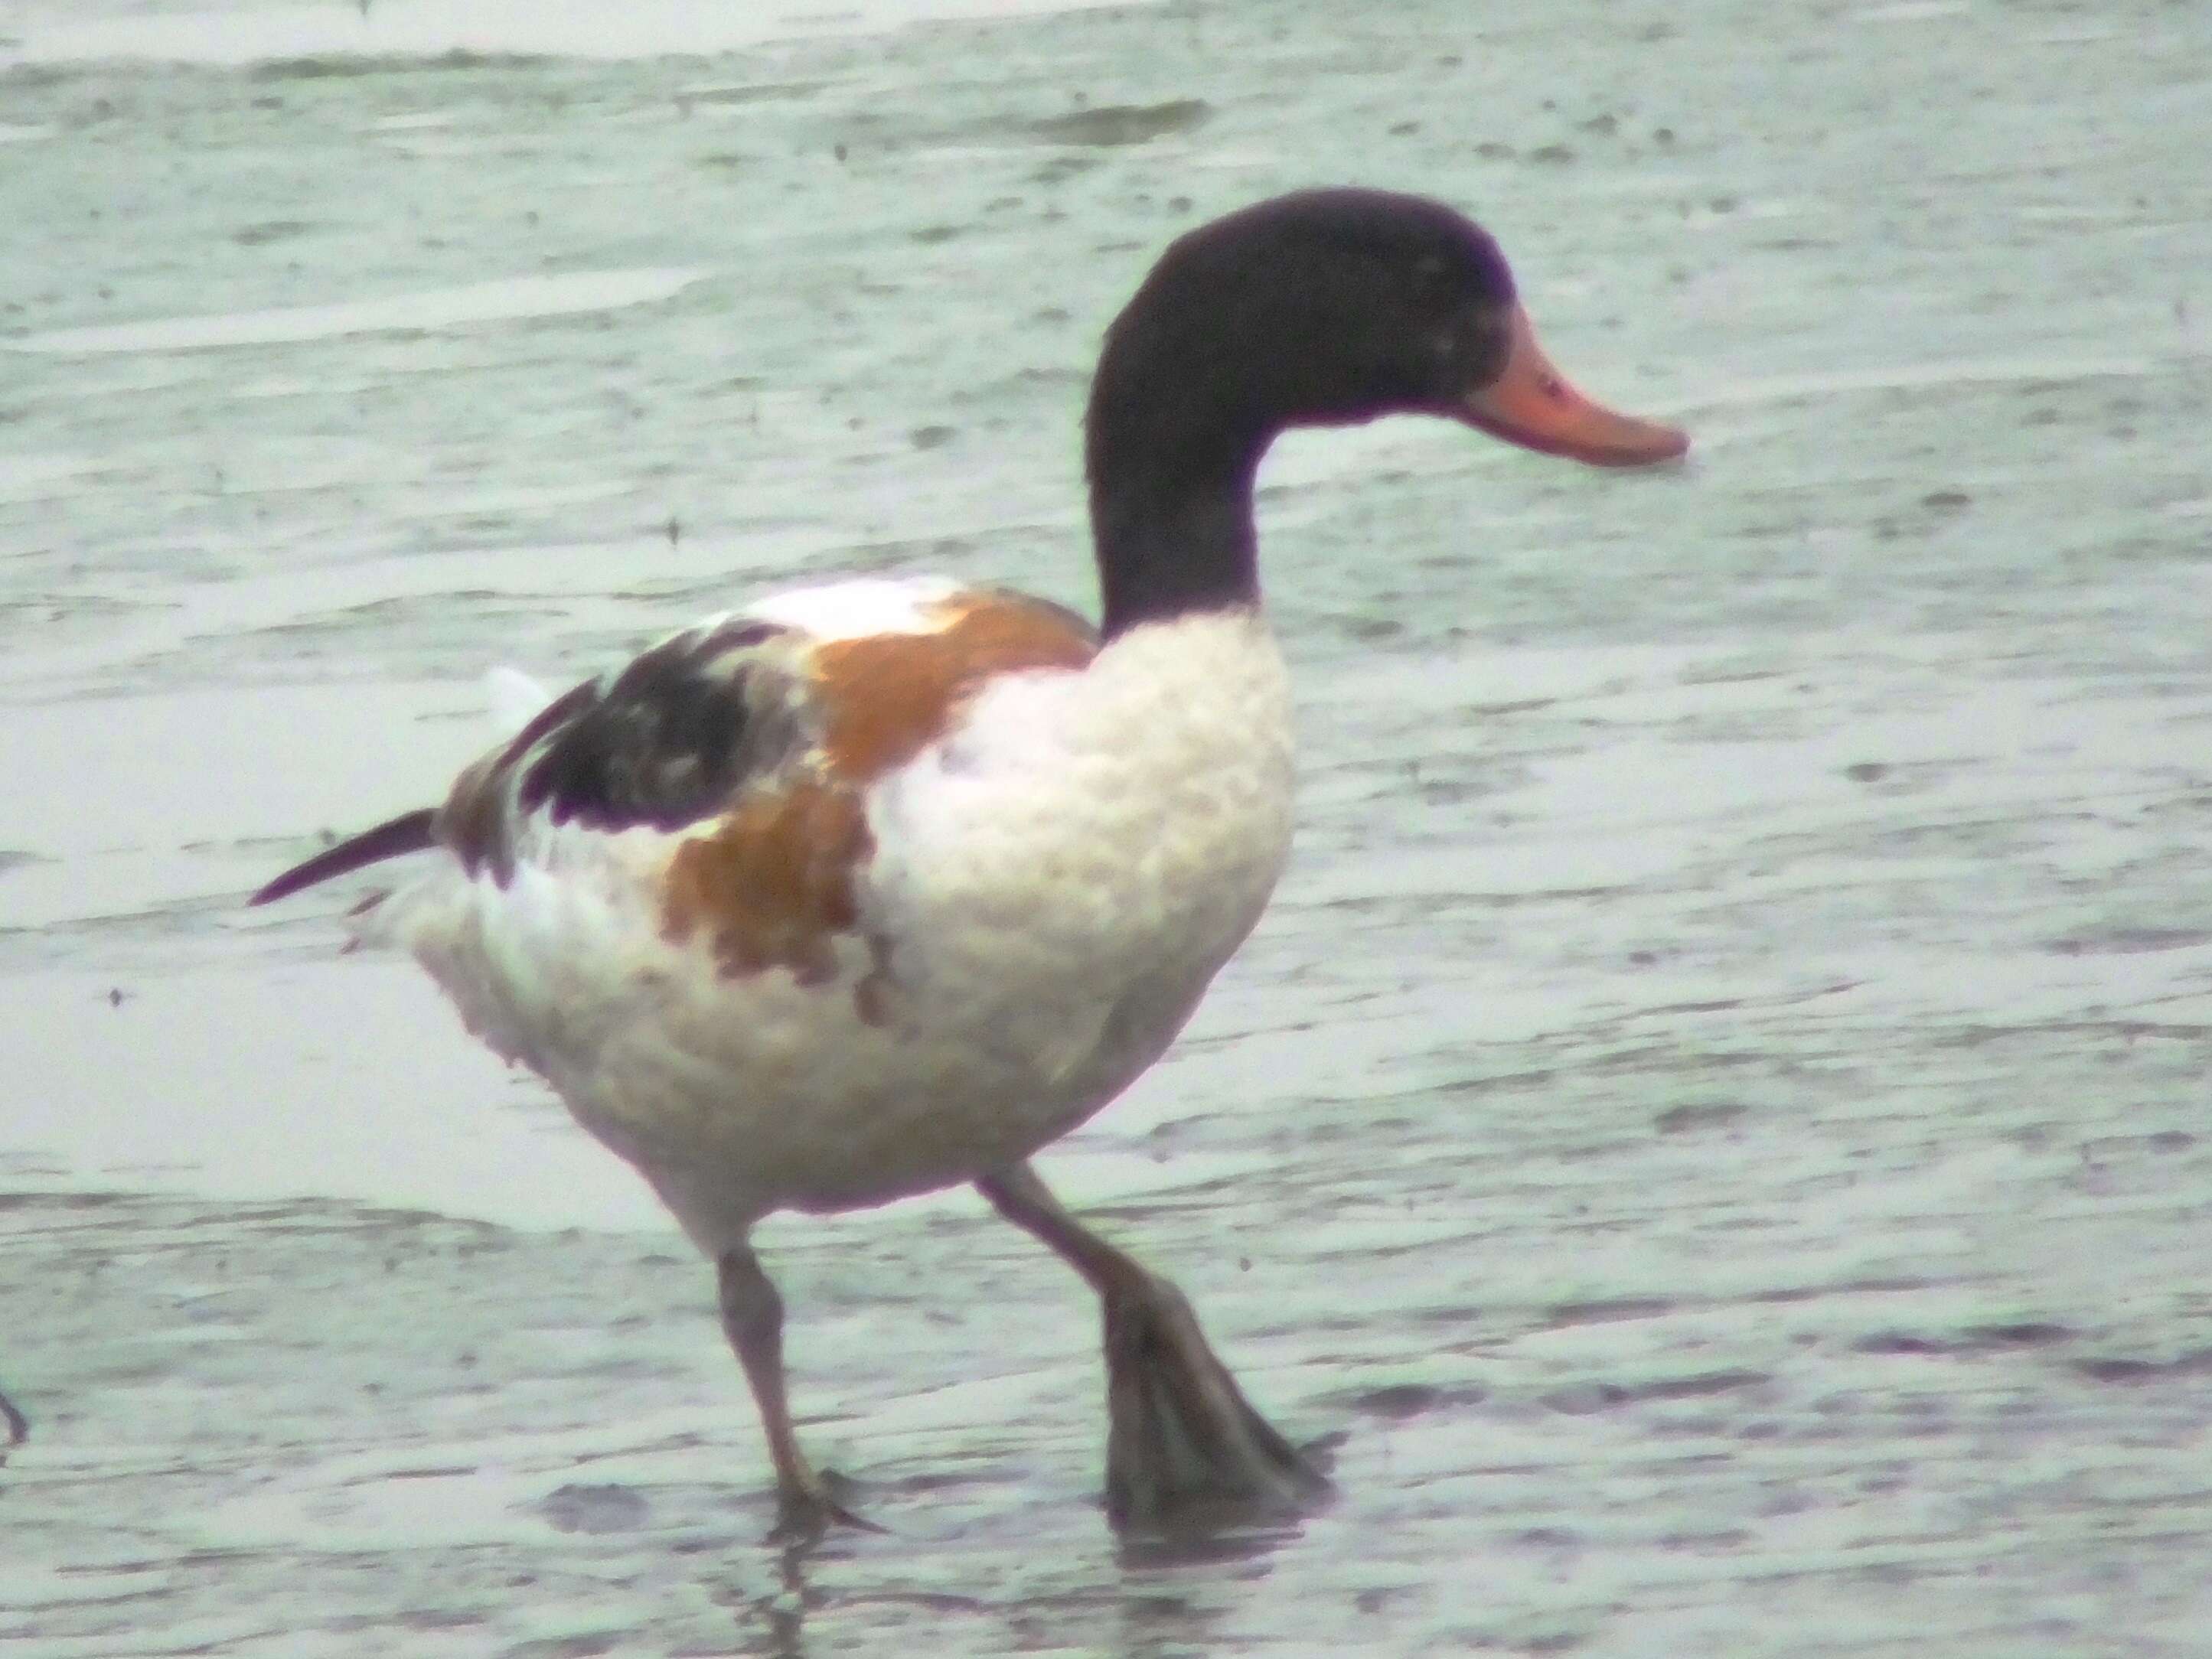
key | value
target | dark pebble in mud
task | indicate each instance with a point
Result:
(1397, 1402)
(352, 66)
(758, 92)
(594, 1509)
(2128, 940)
(1698, 1115)
(1608, 1310)
(1123, 124)
(1582, 1399)
(2027, 1332)
(2120, 1368)
(269, 230)
(1979, 1339)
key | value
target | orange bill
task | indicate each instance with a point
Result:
(1531, 405)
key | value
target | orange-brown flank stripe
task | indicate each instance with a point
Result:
(888, 696)
(773, 884)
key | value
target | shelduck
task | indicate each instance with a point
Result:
(881, 886)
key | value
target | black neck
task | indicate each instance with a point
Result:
(1174, 541)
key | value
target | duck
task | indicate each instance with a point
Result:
(883, 885)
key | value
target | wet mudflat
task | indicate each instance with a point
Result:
(1715, 1118)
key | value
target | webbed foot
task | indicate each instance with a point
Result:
(1182, 1443)
(808, 1507)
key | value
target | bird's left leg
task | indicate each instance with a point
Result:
(752, 1317)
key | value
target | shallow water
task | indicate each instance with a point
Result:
(1715, 1117)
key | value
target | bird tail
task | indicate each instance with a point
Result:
(410, 832)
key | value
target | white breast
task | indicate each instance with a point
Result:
(1071, 867)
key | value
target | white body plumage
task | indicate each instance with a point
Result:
(1051, 883)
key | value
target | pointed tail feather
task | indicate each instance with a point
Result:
(410, 832)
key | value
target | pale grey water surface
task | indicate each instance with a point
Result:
(1716, 1118)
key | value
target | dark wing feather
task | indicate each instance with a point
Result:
(665, 742)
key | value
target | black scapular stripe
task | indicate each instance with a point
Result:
(670, 737)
